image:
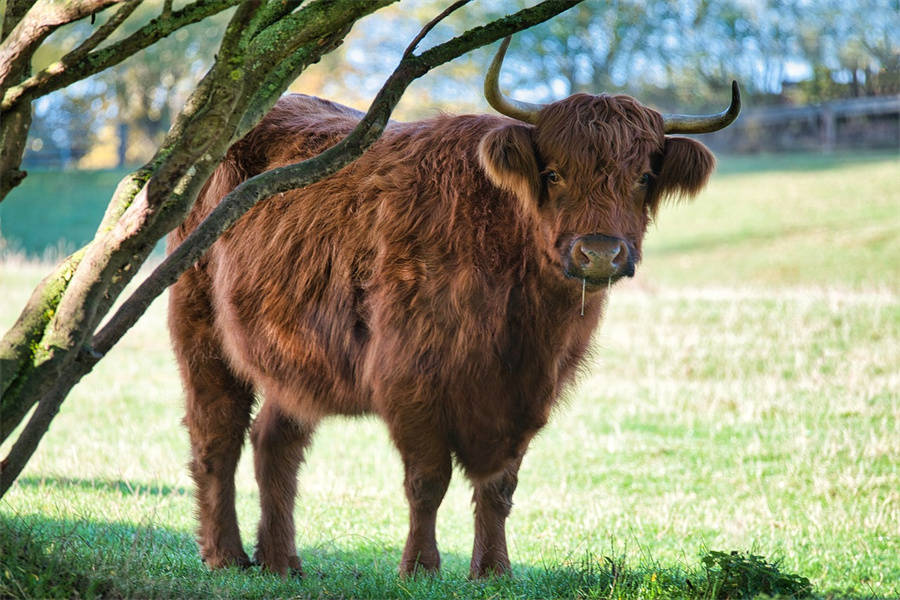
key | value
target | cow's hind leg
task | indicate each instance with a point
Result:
(278, 446)
(218, 406)
(427, 469)
(218, 415)
(493, 502)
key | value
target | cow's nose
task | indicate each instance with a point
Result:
(598, 257)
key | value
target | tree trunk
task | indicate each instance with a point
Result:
(14, 126)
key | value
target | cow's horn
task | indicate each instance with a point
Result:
(705, 123)
(523, 111)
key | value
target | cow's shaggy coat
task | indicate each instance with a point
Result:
(436, 282)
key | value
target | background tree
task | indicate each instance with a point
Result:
(678, 55)
(265, 46)
(674, 54)
(151, 88)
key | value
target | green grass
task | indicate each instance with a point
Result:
(784, 220)
(732, 403)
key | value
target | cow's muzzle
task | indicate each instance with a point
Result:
(600, 259)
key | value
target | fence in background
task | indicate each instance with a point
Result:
(857, 123)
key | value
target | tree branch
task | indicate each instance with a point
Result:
(14, 126)
(273, 11)
(102, 32)
(431, 25)
(42, 19)
(34, 21)
(285, 36)
(68, 70)
(15, 10)
(19, 341)
(247, 194)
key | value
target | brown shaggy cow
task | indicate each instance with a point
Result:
(448, 281)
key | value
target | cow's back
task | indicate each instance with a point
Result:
(297, 127)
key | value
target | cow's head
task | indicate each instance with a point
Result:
(591, 171)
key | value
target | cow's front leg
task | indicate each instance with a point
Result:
(493, 502)
(427, 467)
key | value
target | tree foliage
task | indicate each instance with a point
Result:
(676, 54)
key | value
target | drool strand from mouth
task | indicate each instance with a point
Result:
(583, 285)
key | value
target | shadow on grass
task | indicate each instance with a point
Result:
(125, 488)
(44, 557)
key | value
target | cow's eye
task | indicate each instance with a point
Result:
(552, 176)
(645, 179)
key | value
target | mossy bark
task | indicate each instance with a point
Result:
(20, 347)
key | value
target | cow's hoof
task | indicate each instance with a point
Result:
(415, 568)
(286, 566)
(487, 570)
(224, 560)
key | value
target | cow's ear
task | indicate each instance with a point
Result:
(686, 167)
(507, 154)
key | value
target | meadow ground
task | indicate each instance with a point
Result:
(743, 394)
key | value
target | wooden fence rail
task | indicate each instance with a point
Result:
(858, 122)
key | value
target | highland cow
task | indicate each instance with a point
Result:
(448, 281)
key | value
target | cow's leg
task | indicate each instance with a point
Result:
(427, 468)
(493, 501)
(278, 445)
(218, 415)
(218, 406)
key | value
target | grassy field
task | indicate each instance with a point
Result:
(744, 395)
(53, 213)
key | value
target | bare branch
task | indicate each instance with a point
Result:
(15, 10)
(431, 24)
(11, 466)
(65, 72)
(14, 125)
(42, 19)
(102, 32)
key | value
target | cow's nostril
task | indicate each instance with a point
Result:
(597, 257)
(621, 255)
(587, 256)
(582, 254)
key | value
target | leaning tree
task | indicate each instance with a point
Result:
(266, 44)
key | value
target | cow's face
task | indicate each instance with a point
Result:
(590, 175)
